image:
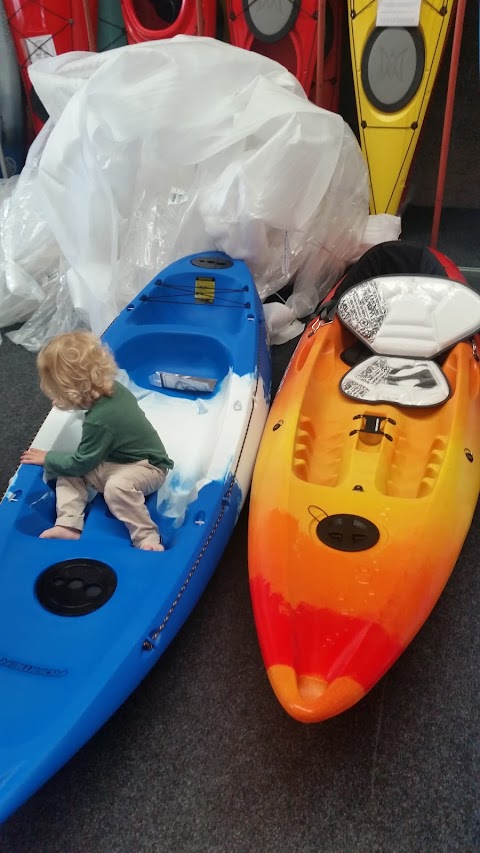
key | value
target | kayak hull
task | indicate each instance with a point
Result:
(110, 25)
(143, 23)
(293, 45)
(48, 29)
(12, 132)
(332, 58)
(332, 616)
(394, 71)
(65, 668)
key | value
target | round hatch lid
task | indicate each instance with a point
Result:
(75, 587)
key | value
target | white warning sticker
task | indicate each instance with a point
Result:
(398, 13)
(39, 47)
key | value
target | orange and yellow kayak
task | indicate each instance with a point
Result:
(352, 537)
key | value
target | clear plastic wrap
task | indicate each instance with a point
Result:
(155, 154)
(53, 316)
(29, 253)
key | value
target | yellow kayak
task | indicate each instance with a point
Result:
(394, 70)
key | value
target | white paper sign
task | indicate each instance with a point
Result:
(38, 47)
(398, 13)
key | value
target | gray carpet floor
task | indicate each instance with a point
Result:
(202, 759)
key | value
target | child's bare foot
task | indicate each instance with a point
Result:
(152, 546)
(59, 532)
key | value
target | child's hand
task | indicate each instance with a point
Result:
(33, 457)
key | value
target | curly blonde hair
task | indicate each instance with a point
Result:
(76, 369)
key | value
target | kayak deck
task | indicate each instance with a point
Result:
(83, 621)
(353, 537)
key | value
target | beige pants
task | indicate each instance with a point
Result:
(124, 488)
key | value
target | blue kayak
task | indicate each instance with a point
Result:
(82, 622)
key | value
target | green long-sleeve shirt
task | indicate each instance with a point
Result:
(115, 429)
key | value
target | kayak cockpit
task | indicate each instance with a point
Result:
(406, 321)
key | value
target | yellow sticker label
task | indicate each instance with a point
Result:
(205, 289)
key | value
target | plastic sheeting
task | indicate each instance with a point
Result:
(29, 253)
(164, 148)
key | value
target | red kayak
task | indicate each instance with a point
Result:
(41, 29)
(147, 20)
(333, 57)
(287, 32)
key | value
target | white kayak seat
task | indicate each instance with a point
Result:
(410, 315)
(396, 380)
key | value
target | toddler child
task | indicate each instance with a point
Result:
(120, 453)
